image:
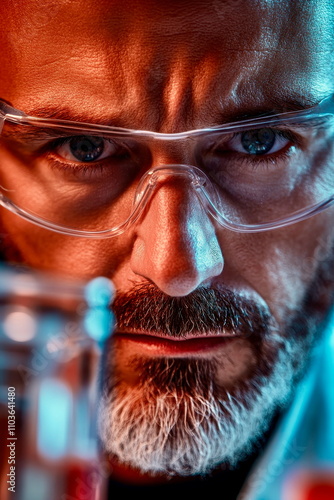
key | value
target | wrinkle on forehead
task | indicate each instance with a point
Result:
(161, 62)
(245, 24)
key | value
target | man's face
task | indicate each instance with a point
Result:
(174, 384)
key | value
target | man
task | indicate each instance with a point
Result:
(220, 299)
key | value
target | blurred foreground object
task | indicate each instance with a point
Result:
(51, 336)
(310, 485)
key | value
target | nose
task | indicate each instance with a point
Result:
(176, 246)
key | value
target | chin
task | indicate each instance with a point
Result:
(178, 418)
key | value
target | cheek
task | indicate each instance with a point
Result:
(281, 265)
(48, 251)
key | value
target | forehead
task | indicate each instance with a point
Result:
(165, 66)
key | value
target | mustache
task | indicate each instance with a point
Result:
(205, 310)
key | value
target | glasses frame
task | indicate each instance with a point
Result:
(322, 110)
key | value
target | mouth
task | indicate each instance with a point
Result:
(155, 344)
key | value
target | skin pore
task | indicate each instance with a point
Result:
(170, 67)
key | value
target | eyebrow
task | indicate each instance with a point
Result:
(40, 133)
(275, 106)
(68, 114)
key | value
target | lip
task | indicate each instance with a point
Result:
(162, 345)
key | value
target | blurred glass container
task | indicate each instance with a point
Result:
(52, 333)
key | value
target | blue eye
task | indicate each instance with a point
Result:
(86, 148)
(258, 142)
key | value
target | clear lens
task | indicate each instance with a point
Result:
(267, 175)
(86, 182)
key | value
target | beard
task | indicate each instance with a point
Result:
(188, 424)
(179, 419)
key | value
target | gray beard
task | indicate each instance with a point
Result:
(193, 425)
(179, 421)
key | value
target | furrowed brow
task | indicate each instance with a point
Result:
(24, 134)
(24, 131)
(272, 107)
(66, 113)
(269, 108)
(38, 135)
(225, 117)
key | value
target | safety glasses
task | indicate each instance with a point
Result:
(96, 181)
